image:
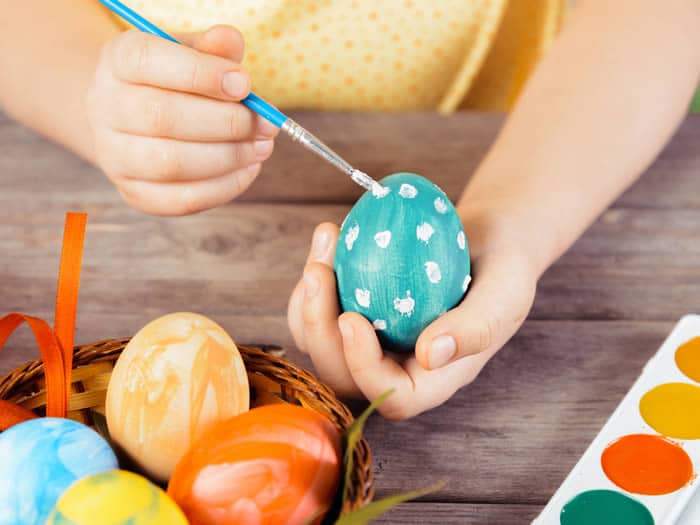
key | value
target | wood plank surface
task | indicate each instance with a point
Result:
(465, 514)
(445, 149)
(503, 443)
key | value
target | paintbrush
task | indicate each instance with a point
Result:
(262, 108)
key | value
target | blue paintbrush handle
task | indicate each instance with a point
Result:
(252, 101)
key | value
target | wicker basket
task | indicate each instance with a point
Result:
(272, 379)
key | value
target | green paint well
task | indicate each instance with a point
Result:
(604, 507)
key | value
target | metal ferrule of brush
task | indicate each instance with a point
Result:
(313, 143)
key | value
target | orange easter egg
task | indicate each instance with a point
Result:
(179, 375)
(277, 464)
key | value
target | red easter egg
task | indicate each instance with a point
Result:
(276, 464)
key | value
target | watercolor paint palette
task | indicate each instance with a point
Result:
(642, 467)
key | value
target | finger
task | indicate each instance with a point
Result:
(323, 243)
(322, 250)
(494, 309)
(415, 389)
(322, 337)
(228, 42)
(373, 371)
(295, 317)
(154, 112)
(186, 198)
(166, 160)
(220, 40)
(140, 58)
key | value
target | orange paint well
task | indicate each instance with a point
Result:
(688, 358)
(647, 464)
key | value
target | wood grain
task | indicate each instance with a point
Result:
(465, 514)
(445, 149)
(505, 442)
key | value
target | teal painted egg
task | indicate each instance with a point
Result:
(40, 459)
(402, 259)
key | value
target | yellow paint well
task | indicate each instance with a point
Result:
(688, 358)
(673, 410)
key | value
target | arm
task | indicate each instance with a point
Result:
(48, 55)
(596, 112)
(161, 120)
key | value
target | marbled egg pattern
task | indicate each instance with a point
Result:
(403, 259)
(118, 497)
(40, 459)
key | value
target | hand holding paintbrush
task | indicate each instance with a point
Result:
(173, 124)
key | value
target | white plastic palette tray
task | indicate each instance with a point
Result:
(674, 508)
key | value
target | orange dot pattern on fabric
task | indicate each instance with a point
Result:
(688, 358)
(647, 464)
(402, 55)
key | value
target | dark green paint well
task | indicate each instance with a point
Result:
(604, 507)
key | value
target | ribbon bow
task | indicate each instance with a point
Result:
(56, 345)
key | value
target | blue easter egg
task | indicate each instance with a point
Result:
(402, 259)
(40, 459)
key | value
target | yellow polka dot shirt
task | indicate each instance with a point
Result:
(385, 55)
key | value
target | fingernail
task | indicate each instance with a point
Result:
(310, 285)
(442, 350)
(235, 84)
(263, 148)
(345, 330)
(319, 245)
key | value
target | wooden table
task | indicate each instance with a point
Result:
(505, 442)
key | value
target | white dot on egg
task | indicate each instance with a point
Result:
(383, 239)
(461, 240)
(407, 191)
(424, 232)
(351, 236)
(440, 205)
(466, 282)
(405, 305)
(379, 324)
(362, 297)
(432, 270)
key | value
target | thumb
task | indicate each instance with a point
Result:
(221, 40)
(498, 303)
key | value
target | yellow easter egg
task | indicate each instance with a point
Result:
(177, 377)
(115, 497)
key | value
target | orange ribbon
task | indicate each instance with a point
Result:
(56, 345)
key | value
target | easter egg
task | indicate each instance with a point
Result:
(178, 376)
(115, 497)
(402, 259)
(40, 459)
(277, 464)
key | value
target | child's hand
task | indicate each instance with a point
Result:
(449, 353)
(168, 130)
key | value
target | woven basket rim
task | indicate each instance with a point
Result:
(296, 383)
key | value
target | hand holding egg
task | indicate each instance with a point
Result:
(450, 349)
